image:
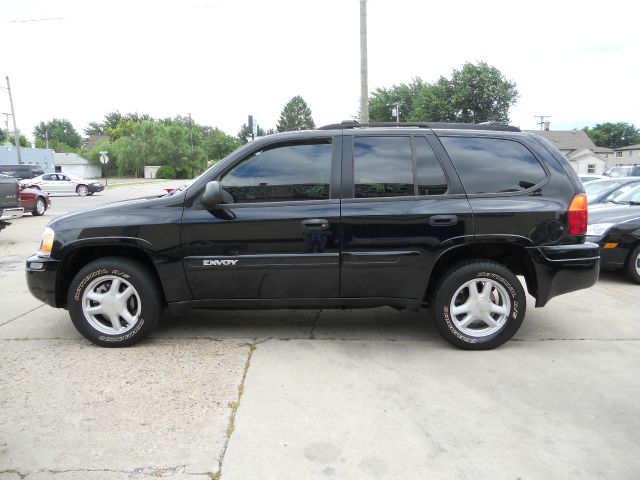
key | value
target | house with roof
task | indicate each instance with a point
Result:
(582, 153)
(75, 165)
(626, 156)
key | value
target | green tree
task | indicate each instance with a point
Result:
(296, 115)
(3, 136)
(244, 133)
(21, 138)
(614, 135)
(383, 100)
(62, 137)
(475, 93)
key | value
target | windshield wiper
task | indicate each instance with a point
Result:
(616, 202)
(633, 202)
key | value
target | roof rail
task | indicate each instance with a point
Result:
(350, 124)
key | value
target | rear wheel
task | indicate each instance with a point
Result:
(40, 207)
(478, 305)
(632, 267)
(82, 190)
(114, 302)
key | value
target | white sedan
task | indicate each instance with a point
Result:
(64, 183)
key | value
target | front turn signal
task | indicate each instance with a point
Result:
(46, 244)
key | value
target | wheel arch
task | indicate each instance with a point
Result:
(512, 256)
(78, 257)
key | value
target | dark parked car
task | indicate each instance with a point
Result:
(346, 216)
(9, 204)
(33, 200)
(602, 191)
(615, 228)
(21, 172)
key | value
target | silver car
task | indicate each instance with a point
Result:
(63, 183)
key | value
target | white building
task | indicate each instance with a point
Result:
(626, 156)
(76, 165)
(582, 153)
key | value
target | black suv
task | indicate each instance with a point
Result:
(346, 216)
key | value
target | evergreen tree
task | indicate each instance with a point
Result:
(296, 115)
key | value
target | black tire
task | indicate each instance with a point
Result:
(632, 265)
(455, 290)
(111, 277)
(40, 207)
(82, 190)
(91, 193)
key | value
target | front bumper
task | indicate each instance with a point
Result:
(42, 277)
(95, 188)
(563, 269)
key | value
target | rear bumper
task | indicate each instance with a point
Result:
(42, 275)
(9, 213)
(563, 269)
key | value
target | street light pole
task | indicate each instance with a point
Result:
(13, 116)
(364, 69)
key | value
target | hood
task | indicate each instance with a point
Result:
(613, 213)
(122, 207)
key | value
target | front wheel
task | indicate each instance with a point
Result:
(114, 302)
(40, 207)
(632, 267)
(82, 190)
(478, 305)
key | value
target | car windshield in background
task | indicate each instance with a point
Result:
(596, 187)
(618, 172)
(632, 197)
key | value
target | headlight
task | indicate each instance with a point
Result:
(46, 243)
(598, 229)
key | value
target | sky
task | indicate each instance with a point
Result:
(222, 60)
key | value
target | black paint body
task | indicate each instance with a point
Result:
(374, 251)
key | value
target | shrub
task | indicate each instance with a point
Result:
(166, 171)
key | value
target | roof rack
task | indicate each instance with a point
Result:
(350, 124)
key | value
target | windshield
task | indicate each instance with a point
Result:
(618, 172)
(632, 196)
(593, 189)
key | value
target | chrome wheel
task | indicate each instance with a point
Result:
(637, 264)
(111, 305)
(82, 190)
(41, 206)
(480, 307)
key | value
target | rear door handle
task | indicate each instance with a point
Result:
(315, 224)
(443, 220)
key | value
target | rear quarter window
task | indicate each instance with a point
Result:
(492, 165)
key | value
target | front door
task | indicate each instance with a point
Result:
(277, 236)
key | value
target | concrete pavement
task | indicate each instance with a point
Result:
(355, 394)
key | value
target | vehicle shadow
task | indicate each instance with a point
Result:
(383, 324)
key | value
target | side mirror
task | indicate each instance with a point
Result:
(212, 195)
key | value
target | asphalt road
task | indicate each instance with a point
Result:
(315, 394)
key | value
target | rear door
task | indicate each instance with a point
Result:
(401, 207)
(278, 235)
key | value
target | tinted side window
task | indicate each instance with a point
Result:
(430, 176)
(285, 173)
(490, 165)
(382, 167)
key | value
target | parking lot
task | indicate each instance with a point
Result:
(353, 394)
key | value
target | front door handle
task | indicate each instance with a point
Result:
(443, 220)
(315, 224)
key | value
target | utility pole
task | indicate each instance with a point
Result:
(364, 69)
(542, 121)
(13, 116)
(191, 143)
(396, 111)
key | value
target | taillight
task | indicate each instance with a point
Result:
(577, 215)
